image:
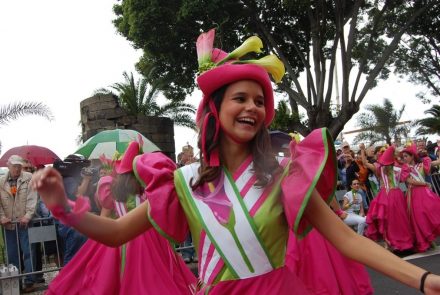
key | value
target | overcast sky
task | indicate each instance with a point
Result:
(59, 52)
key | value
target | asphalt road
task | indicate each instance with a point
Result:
(385, 286)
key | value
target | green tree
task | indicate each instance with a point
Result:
(15, 110)
(284, 117)
(309, 36)
(140, 97)
(418, 54)
(381, 123)
(430, 125)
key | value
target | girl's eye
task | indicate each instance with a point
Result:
(239, 98)
(259, 103)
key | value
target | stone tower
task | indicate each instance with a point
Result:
(102, 112)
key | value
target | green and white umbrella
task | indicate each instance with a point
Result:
(109, 142)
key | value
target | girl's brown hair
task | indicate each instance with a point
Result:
(123, 186)
(265, 165)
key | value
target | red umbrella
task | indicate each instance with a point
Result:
(37, 155)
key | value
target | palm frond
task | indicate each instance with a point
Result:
(184, 120)
(15, 110)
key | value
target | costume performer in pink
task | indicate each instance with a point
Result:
(137, 267)
(387, 217)
(423, 203)
(239, 203)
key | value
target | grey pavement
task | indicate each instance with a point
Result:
(383, 285)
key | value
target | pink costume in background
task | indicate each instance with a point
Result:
(145, 265)
(423, 206)
(387, 217)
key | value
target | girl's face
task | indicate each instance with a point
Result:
(407, 158)
(242, 111)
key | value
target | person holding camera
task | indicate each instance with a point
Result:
(70, 169)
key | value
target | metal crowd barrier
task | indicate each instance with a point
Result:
(435, 181)
(40, 231)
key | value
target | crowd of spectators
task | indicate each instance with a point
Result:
(351, 167)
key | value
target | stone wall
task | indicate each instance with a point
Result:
(102, 112)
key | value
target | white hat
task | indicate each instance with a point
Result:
(344, 144)
(15, 160)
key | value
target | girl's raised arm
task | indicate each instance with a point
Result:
(49, 184)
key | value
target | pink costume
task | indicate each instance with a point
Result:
(423, 206)
(323, 269)
(240, 231)
(145, 265)
(387, 217)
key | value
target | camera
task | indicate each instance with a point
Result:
(71, 166)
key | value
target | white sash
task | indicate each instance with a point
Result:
(415, 173)
(221, 237)
(121, 208)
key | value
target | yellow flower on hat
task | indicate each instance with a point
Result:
(252, 44)
(272, 64)
(295, 136)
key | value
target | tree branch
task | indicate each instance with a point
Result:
(387, 53)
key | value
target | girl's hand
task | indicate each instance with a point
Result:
(343, 215)
(49, 184)
(432, 284)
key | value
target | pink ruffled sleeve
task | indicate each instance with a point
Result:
(313, 166)
(404, 173)
(156, 172)
(426, 161)
(104, 194)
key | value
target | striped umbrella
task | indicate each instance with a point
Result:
(109, 142)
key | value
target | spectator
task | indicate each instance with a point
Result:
(70, 169)
(186, 156)
(354, 208)
(18, 202)
(341, 156)
(27, 166)
(349, 170)
(422, 152)
(72, 239)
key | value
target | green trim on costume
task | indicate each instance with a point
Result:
(325, 137)
(136, 174)
(123, 259)
(248, 217)
(189, 197)
(194, 225)
(160, 231)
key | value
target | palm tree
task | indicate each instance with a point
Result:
(430, 125)
(15, 110)
(381, 123)
(140, 98)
